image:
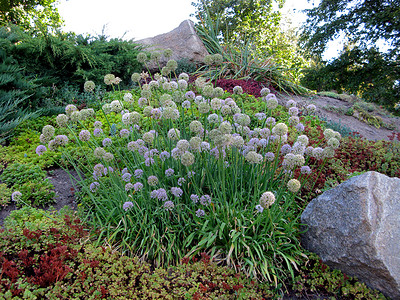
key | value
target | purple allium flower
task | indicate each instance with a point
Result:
(97, 124)
(40, 149)
(169, 172)
(293, 111)
(127, 205)
(270, 121)
(142, 102)
(177, 192)
(94, 186)
(107, 142)
(190, 95)
(149, 161)
(205, 200)
(200, 213)
(128, 186)
(15, 196)
(260, 116)
(300, 127)
(181, 181)
(190, 174)
(305, 170)
(97, 131)
(126, 177)
(137, 186)
(169, 205)
(152, 180)
(124, 133)
(186, 104)
(99, 170)
(259, 208)
(195, 198)
(110, 169)
(164, 155)
(124, 170)
(138, 173)
(162, 194)
(285, 149)
(84, 135)
(153, 194)
(156, 113)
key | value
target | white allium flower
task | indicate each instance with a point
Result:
(267, 199)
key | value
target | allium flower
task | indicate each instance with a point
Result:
(300, 127)
(148, 137)
(177, 192)
(48, 130)
(170, 113)
(265, 132)
(225, 127)
(328, 152)
(270, 121)
(293, 111)
(305, 170)
(194, 198)
(242, 119)
(195, 126)
(311, 108)
(317, 152)
(293, 120)
(237, 90)
(291, 103)
(169, 172)
(135, 77)
(61, 140)
(141, 57)
(267, 199)
(106, 108)
(195, 143)
(40, 149)
(186, 104)
(205, 200)
(70, 108)
(190, 95)
(174, 134)
(109, 79)
(128, 97)
(84, 135)
(293, 185)
(108, 157)
(124, 133)
(329, 133)
(62, 120)
(181, 181)
(299, 160)
(127, 205)
(182, 84)
(187, 159)
(271, 101)
(218, 92)
(128, 187)
(94, 186)
(309, 150)
(16, 196)
(168, 53)
(183, 76)
(260, 116)
(205, 146)
(116, 106)
(152, 180)
(99, 152)
(204, 107)
(298, 148)
(280, 129)
(200, 213)
(138, 173)
(213, 118)
(285, 149)
(169, 205)
(137, 186)
(89, 86)
(259, 208)
(333, 142)
(172, 65)
(254, 158)
(289, 161)
(97, 131)
(126, 177)
(183, 145)
(264, 92)
(226, 110)
(107, 142)
(216, 103)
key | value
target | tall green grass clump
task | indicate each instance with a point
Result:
(179, 173)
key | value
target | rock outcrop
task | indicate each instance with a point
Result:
(355, 227)
(183, 41)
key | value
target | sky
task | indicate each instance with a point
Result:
(138, 19)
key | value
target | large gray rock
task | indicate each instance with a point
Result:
(355, 227)
(183, 41)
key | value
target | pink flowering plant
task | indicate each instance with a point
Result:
(181, 170)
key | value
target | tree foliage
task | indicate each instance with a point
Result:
(42, 14)
(363, 22)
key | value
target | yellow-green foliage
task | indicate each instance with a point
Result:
(5, 195)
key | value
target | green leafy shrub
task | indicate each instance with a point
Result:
(316, 277)
(5, 195)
